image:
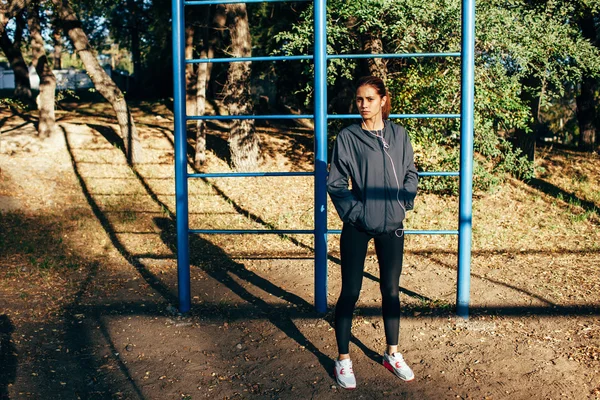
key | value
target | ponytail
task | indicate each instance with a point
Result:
(387, 107)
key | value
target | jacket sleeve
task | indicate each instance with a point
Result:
(411, 177)
(347, 205)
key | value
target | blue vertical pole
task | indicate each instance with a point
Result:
(181, 184)
(320, 112)
(465, 214)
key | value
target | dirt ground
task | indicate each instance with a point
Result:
(88, 278)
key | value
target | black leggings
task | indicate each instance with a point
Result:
(353, 247)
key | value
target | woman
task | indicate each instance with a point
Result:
(377, 157)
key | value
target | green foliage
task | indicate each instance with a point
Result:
(14, 103)
(511, 161)
(525, 51)
(64, 94)
(71, 60)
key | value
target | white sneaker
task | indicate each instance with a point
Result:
(344, 375)
(397, 365)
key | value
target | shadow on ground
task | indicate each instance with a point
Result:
(8, 356)
(558, 193)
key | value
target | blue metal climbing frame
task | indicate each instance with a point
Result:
(320, 116)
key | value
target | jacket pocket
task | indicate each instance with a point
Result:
(407, 199)
(396, 215)
(373, 217)
(356, 213)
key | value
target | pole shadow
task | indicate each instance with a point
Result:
(110, 231)
(217, 264)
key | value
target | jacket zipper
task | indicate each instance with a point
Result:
(384, 184)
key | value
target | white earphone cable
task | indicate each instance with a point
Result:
(379, 134)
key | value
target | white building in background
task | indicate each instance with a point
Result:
(65, 78)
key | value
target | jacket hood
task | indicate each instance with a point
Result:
(363, 135)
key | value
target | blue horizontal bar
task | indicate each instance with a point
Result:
(251, 231)
(247, 174)
(425, 116)
(245, 59)
(392, 55)
(408, 232)
(233, 117)
(310, 116)
(439, 173)
(259, 174)
(209, 2)
(310, 57)
(400, 116)
(301, 232)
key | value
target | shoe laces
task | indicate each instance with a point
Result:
(398, 360)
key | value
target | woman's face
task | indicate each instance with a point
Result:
(369, 102)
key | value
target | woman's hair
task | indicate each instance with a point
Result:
(377, 84)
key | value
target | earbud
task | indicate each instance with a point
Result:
(385, 144)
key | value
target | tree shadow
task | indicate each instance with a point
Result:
(558, 193)
(152, 108)
(18, 127)
(219, 146)
(8, 356)
(428, 255)
(78, 337)
(110, 135)
(300, 149)
(25, 116)
(4, 120)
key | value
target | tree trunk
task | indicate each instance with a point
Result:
(215, 41)
(190, 72)
(12, 51)
(586, 101)
(201, 80)
(586, 114)
(597, 135)
(8, 11)
(47, 79)
(58, 47)
(525, 139)
(103, 83)
(192, 80)
(372, 44)
(243, 141)
(202, 75)
(136, 54)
